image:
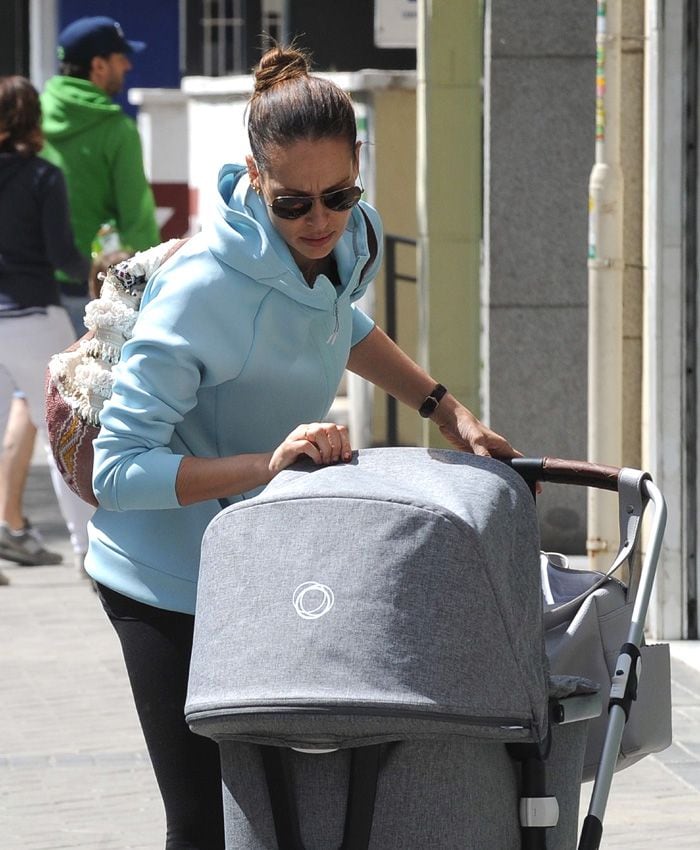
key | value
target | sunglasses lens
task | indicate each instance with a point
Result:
(343, 199)
(290, 207)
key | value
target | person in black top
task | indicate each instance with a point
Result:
(35, 240)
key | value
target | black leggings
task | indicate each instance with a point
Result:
(157, 645)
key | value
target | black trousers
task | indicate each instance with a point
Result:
(157, 645)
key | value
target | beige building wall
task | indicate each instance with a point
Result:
(394, 154)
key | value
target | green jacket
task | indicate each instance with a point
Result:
(99, 150)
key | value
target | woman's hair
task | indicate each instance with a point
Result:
(288, 105)
(20, 117)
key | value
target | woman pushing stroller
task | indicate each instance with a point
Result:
(241, 341)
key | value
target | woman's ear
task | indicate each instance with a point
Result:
(253, 173)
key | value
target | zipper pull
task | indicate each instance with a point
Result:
(332, 338)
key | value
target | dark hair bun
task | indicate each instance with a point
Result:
(290, 104)
(279, 65)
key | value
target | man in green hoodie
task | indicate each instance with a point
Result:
(96, 144)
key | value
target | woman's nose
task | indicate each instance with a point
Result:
(318, 212)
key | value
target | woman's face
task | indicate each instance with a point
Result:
(309, 168)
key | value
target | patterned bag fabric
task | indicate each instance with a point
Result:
(79, 379)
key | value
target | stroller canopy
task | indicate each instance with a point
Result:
(395, 596)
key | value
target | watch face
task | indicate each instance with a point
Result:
(432, 401)
(428, 407)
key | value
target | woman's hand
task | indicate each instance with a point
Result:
(465, 432)
(323, 442)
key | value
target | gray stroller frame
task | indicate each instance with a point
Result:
(344, 706)
(636, 490)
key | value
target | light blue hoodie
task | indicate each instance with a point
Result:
(231, 351)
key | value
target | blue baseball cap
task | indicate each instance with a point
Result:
(85, 38)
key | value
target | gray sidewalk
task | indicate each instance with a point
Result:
(73, 768)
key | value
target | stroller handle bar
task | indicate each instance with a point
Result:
(560, 471)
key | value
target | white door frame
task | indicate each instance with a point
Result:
(665, 315)
(43, 33)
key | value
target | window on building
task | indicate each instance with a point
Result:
(223, 31)
(273, 23)
(223, 37)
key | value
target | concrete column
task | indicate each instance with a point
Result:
(539, 137)
(632, 161)
(449, 186)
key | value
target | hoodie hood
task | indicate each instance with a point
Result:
(243, 237)
(70, 106)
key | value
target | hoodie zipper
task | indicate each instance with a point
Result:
(336, 328)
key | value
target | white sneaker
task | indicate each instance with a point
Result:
(26, 547)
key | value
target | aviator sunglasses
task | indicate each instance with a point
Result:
(296, 206)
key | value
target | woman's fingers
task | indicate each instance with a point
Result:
(289, 451)
(323, 442)
(332, 441)
(345, 447)
(306, 447)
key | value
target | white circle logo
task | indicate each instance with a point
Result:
(312, 600)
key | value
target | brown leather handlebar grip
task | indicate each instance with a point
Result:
(580, 472)
(560, 471)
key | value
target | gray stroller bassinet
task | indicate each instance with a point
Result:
(369, 654)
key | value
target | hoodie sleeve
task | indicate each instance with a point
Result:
(362, 324)
(61, 250)
(136, 210)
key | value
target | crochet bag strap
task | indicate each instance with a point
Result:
(175, 247)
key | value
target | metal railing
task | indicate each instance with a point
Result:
(392, 276)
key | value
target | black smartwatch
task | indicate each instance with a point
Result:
(432, 400)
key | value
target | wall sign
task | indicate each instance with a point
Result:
(396, 23)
